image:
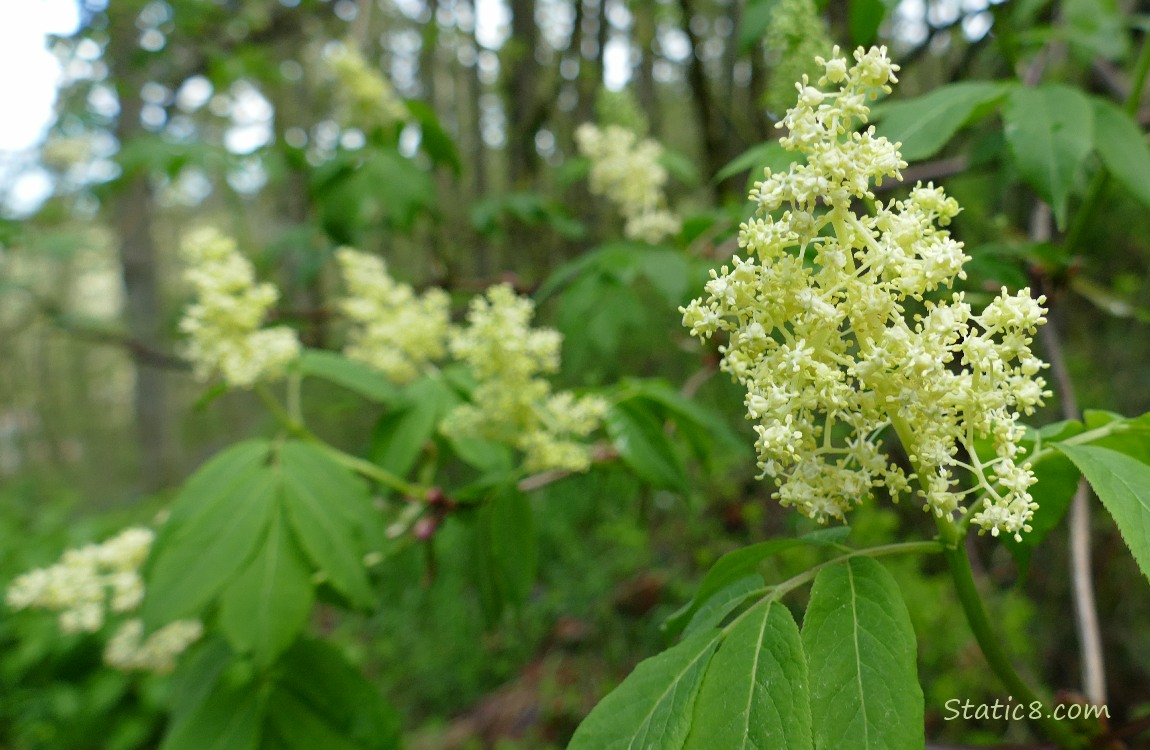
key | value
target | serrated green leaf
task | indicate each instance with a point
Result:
(755, 694)
(353, 375)
(1122, 146)
(740, 563)
(861, 652)
(264, 608)
(643, 444)
(1122, 483)
(715, 609)
(1050, 130)
(927, 123)
(208, 548)
(653, 707)
(324, 502)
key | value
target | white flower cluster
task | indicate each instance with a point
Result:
(369, 100)
(87, 581)
(822, 340)
(512, 403)
(128, 650)
(627, 171)
(392, 330)
(223, 325)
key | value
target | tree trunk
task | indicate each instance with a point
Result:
(133, 208)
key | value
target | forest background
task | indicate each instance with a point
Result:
(176, 114)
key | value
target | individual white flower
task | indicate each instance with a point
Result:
(223, 325)
(394, 330)
(821, 336)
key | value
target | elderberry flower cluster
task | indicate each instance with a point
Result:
(223, 325)
(91, 581)
(368, 99)
(128, 649)
(393, 329)
(87, 581)
(627, 171)
(512, 402)
(833, 336)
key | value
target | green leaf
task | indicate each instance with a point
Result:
(643, 444)
(769, 155)
(1050, 130)
(230, 719)
(715, 609)
(353, 375)
(653, 707)
(401, 436)
(265, 607)
(318, 675)
(433, 139)
(755, 694)
(1122, 483)
(1057, 482)
(205, 550)
(861, 651)
(507, 553)
(326, 506)
(753, 25)
(197, 674)
(1122, 146)
(300, 728)
(864, 19)
(740, 563)
(927, 123)
(215, 478)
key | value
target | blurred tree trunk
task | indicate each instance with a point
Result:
(710, 124)
(133, 209)
(521, 78)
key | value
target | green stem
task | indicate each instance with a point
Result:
(953, 537)
(297, 429)
(1083, 437)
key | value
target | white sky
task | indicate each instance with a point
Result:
(29, 73)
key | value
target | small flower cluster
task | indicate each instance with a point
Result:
(512, 403)
(393, 329)
(820, 335)
(128, 650)
(224, 323)
(369, 100)
(87, 581)
(93, 579)
(627, 171)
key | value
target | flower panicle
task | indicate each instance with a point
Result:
(815, 310)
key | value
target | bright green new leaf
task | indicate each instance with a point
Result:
(355, 376)
(1122, 146)
(326, 507)
(216, 478)
(401, 435)
(755, 695)
(654, 707)
(861, 651)
(205, 550)
(1050, 131)
(1123, 485)
(769, 155)
(927, 123)
(266, 606)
